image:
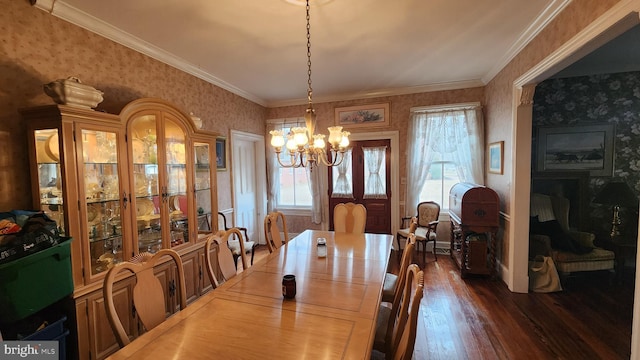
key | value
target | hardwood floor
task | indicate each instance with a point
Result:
(479, 318)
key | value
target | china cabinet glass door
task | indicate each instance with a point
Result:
(101, 182)
(49, 176)
(176, 189)
(158, 148)
(146, 186)
(202, 169)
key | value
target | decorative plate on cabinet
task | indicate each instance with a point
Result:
(144, 207)
(52, 147)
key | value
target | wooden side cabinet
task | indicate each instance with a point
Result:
(95, 337)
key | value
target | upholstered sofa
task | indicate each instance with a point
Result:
(545, 209)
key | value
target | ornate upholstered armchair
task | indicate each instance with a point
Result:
(549, 227)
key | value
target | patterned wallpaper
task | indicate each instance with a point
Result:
(37, 48)
(597, 99)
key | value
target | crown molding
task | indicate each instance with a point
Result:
(615, 21)
(457, 85)
(77, 17)
(548, 14)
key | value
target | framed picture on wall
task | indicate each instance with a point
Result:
(576, 148)
(221, 153)
(373, 115)
(496, 157)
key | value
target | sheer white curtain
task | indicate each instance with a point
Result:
(422, 132)
(272, 169)
(315, 187)
(342, 187)
(375, 182)
(454, 134)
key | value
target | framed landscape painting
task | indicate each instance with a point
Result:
(496, 157)
(579, 148)
(370, 116)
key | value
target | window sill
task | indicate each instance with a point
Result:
(295, 211)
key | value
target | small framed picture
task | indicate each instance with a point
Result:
(221, 153)
(363, 116)
(496, 157)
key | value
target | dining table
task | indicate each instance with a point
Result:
(332, 316)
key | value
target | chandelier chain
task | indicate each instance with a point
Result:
(309, 90)
(304, 147)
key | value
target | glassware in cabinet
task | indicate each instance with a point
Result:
(146, 183)
(176, 170)
(101, 184)
(160, 179)
(202, 169)
(50, 181)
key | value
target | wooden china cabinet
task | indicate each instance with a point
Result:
(120, 185)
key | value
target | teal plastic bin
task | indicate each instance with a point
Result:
(31, 283)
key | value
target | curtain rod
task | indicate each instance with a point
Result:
(285, 120)
(446, 107)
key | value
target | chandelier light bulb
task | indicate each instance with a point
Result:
(291, 144)
(344, 142)
(277, 139)
(300, 136)
(318, 141)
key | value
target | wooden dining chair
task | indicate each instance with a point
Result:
(148, 296)
(427, 215)
(393, 283)
(272, 230)
(396, 326)
(350, 218)
(234, 245)
(225, 257)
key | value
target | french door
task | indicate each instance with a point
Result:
(364, 178)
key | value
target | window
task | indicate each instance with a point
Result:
(446, 147)
(441, 177)
(290, 186)
(294, 188)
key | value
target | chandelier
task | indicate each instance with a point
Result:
(303, 146)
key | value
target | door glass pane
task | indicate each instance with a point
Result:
(375, 179)
(146, 187)
(49, 176)
(343, 178)
(175, 153)
(102, 193)
(203, 184)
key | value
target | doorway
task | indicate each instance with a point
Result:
(364, 177)
(249, 183)
(614, 22)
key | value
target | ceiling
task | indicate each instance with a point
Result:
(359, 48)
